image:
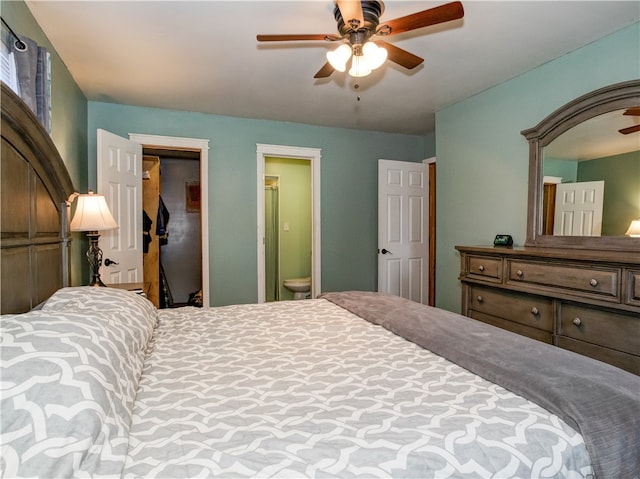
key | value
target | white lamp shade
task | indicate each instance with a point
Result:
(634, 229)
(339, 57)
(359, 67)
(374, 55)
(92, 214)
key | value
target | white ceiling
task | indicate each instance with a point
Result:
(203, 56)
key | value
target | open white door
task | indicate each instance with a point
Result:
(403, 229)
(119, 171)
(579, 209)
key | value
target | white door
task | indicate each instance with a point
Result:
(403, 229)
(119, 172)
(579, 209)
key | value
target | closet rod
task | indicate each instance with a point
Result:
(19, 44)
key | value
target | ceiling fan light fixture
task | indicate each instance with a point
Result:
(374, 55)
(339, 57)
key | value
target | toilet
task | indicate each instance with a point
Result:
(300, 287)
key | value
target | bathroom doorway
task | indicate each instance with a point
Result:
(292, 239)
(298, 228)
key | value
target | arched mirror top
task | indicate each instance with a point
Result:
(587, 128)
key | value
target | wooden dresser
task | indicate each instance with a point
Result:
(587, 301)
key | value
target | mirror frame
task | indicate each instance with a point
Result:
(613, 97)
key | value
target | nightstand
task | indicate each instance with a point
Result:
(140, 288)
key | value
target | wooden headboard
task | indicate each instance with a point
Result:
(35, 184)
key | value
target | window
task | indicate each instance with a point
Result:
(9, 70)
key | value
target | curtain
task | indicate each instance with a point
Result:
(272, 286)
(33, 71)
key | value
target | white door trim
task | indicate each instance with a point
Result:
(203, 146)
(302, 153)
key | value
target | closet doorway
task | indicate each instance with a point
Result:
(171, 204)
(181, 167)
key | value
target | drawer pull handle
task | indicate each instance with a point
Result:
(480, 299)
(535, 311)
(519, 273)
(577, 321)
(481, 268)
(593, 282)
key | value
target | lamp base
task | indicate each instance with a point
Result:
(94, 256)
(97, 282)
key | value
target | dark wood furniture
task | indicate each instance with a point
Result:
(34, 240)
(581, 300)
(580, 293)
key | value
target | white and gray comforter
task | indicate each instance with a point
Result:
(100, 384)
(307, 389)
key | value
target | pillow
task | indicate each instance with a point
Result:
(69, 375)
(135, 324)
(98, 299)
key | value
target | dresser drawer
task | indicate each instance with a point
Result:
(600, 283)
(601, 327)
(527, 309)
(485, 268)
(518, 328)
(625, 361)
(633, 296)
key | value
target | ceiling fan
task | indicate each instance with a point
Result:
(358, 23)
(633, 111)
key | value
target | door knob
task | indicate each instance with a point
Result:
(385, 251)
(109, 262)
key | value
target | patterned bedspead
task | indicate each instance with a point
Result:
(306, 389)
(68, 380)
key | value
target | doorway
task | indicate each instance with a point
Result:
(293, 214)
(171, 202)
(187, 149)
(310, 157)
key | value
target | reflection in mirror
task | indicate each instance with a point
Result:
(574, 147)
(591, 177)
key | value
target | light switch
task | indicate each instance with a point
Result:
(285, 226)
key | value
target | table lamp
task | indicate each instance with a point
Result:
(634, 229)
(92, 215)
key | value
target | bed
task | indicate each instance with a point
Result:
(96, 382)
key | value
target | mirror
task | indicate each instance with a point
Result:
(578, 149)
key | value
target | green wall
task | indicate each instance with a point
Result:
(565, 169)
(348, 189)
(481, 175)
(295, 218)
(483, 159)
(69, 120)
(621, 175)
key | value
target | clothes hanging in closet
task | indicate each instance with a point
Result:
(162, 230)
(146, 231)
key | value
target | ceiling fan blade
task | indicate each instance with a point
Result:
(325, 71)
(433, 16)
(294, 37)
(351, 10)
(400, 56)
(633, 111)
(631, 129)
